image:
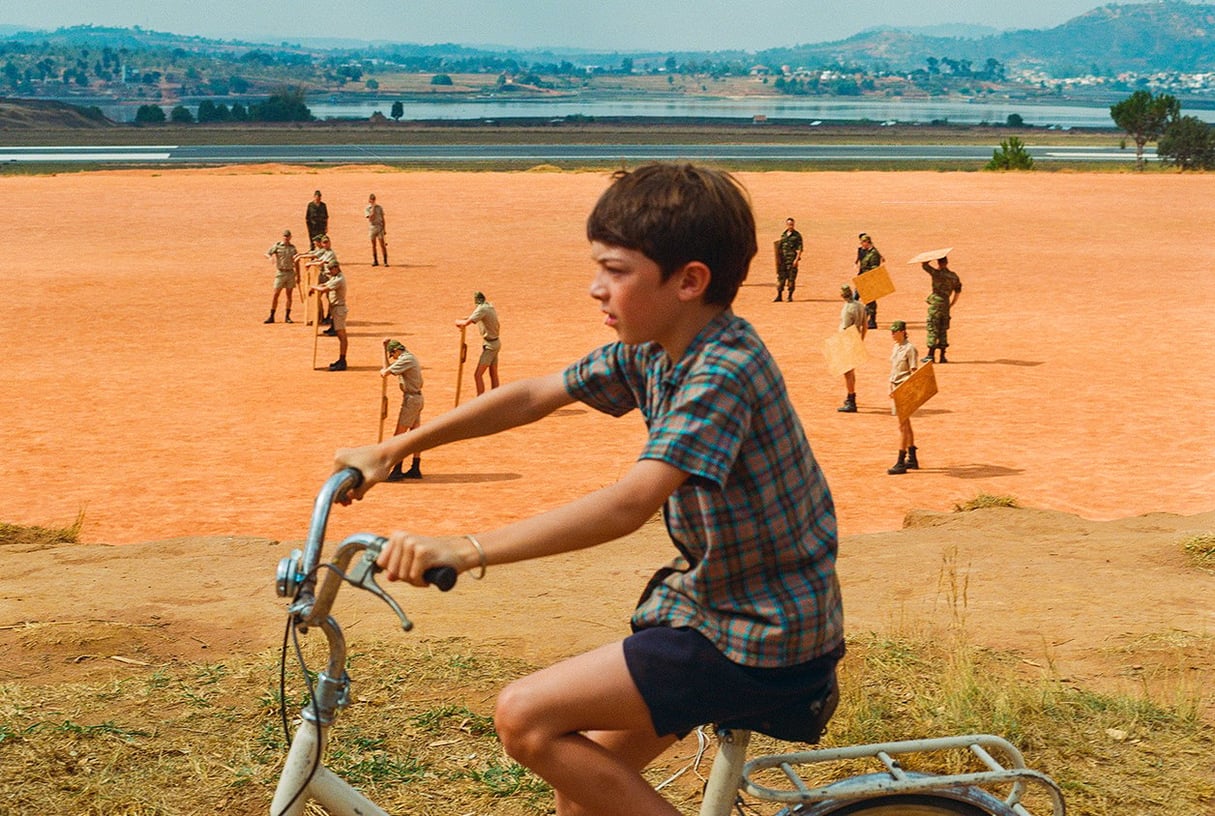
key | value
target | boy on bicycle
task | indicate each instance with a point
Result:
(744, 627)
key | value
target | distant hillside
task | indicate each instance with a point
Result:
(22, 114)
(1167, 35)
(1159, 36)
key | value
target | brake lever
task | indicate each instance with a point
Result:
(363, 577)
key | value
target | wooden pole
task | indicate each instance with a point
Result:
(383, 395)
(463, 357)
(316, 325)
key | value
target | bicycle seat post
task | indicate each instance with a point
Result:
(725, 776)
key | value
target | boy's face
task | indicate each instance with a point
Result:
(637, 303)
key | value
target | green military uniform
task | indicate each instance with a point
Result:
(789, 250)
(869, 258)
(945, 285)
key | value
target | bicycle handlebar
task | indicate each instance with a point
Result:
(312, 607)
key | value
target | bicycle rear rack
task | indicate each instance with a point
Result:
(895, 779)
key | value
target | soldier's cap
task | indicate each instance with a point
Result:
(864, 236)
(898, 325)
(321, 237)
(479, 297)
(846, 290)
(286, 233)
(395, 345)
(316, 192)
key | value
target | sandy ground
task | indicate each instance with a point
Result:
(141, 387)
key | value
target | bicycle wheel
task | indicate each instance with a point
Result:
(960, 802)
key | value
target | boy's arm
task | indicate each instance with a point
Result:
(499, 409)
(601, 516)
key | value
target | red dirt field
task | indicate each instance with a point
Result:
(141, 387)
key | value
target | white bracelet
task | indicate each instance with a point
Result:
(480, 552)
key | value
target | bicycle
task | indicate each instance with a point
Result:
(892, 791)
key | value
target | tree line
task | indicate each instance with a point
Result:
(1185, 142)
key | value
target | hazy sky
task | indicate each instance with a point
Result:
(597, 24)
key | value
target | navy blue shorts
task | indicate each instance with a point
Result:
(686, 682)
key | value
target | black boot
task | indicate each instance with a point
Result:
(912, 462)
(942, 360)
(396, 475)
(288, 319)
(414, 472)
(849, 406)
(929, 358)
(269, 319)
(385, 256)
(790, 298)
(780, 290)
(900, 466)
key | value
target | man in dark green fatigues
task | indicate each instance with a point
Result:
(789, 250)
(946, 286)
(868, 257)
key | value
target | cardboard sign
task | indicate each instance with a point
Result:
(844, 351)
(776, 252)
(931, 255)
(873, 284)
(915, 390)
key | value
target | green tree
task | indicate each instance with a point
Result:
(208, 111)
(1011, 155)
(1144, 117)
(1188, 143)
(1015, 120)
(180, 115)
(398, 110)
(150, 115)
(444, 79)
(287, 105)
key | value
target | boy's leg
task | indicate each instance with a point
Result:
(583, 727)
(493, 375)
(479, 377)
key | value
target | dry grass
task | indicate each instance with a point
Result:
(1199, 550)
(983, 500)
(29, 538)
(186, 738)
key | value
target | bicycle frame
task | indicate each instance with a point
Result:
(304, 776)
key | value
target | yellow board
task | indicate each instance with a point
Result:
(873, 284)
(776, 252)
(931, 255)
(915, 390)
(844, 351)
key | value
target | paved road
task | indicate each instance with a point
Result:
(538, 153)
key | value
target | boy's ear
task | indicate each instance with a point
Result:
(694, 280)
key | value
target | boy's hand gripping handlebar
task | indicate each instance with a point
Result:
(297, 573)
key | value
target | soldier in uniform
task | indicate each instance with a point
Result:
(789, 250)
(868, 257)
(317, 219)
(486, 318)
(902, 366)
(946, 286)
(853, 314)
(408, 371)
(377, 229)
(335, 287)
(287, 273)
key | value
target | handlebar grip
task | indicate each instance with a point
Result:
(442, 577)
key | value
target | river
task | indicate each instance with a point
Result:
(783, 108)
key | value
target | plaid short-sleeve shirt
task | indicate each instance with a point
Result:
(754, 523)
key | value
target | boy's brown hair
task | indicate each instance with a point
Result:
(678, 213)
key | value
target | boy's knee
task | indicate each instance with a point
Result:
(516, 721)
